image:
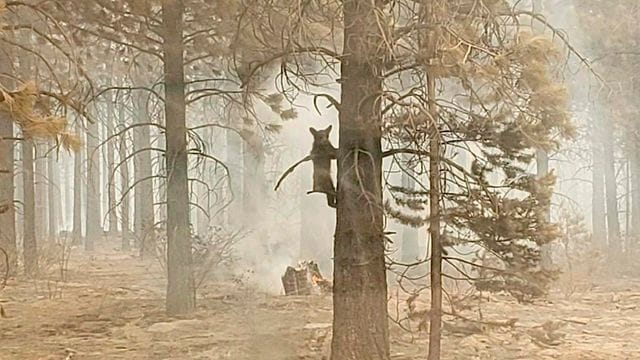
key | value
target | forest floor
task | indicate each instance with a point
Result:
(111, 307)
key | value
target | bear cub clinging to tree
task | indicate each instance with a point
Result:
(322, 152)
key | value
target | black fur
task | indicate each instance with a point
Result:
(322, 152)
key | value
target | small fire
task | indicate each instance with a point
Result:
(315, 279)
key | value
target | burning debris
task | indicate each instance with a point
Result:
(305, 279)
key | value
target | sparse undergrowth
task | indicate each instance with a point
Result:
(112, 308)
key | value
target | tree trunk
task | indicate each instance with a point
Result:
(360, 324)
(7, 218)
(111, 190)
(41, 180)
(181, 287)
(635, 198)
(93, 218)
(78, 161)
(124, 185)
(611, 193)
(410, 250)
(158, 183)
(143, 192)
(67, 180)
(598, 219)
(7, 185)
(202, 211)
(435, 321)
(29, 244)
(542, 165)
(55, 208)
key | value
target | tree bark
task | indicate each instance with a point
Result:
(93, 217)
(29, 244)
(635, 198)
(611, 193)
(598, 219)
(124, 185)
(435, 323)
(542, 165)
(41, 179)
(360, 324)
(143, 192)
(110, 165)
(7, 218)
(181, 287)
(410, 250)
(78, 161)
(55, 207)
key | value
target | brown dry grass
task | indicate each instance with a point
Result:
(112, 308)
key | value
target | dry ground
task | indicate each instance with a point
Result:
(111, 308)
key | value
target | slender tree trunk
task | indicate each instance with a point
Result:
(67, 180)
(78, 161)
(124, 186)
(110, 165)
(29, 244)
(41, 179)
(93, 217)
(635, 199)
(55, 208)
(7, 174)
(202, 219)
(627, 205)
(7, 217)
(203, 210)
(542, 164)
(598, 219)
(160, 207)
(181, 287)
(143, 193)
(360, 324)
(435, 323)
(410, 250)
(613, 223)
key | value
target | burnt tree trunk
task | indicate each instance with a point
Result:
(181, 287)
(29, 244)
(360, 324)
